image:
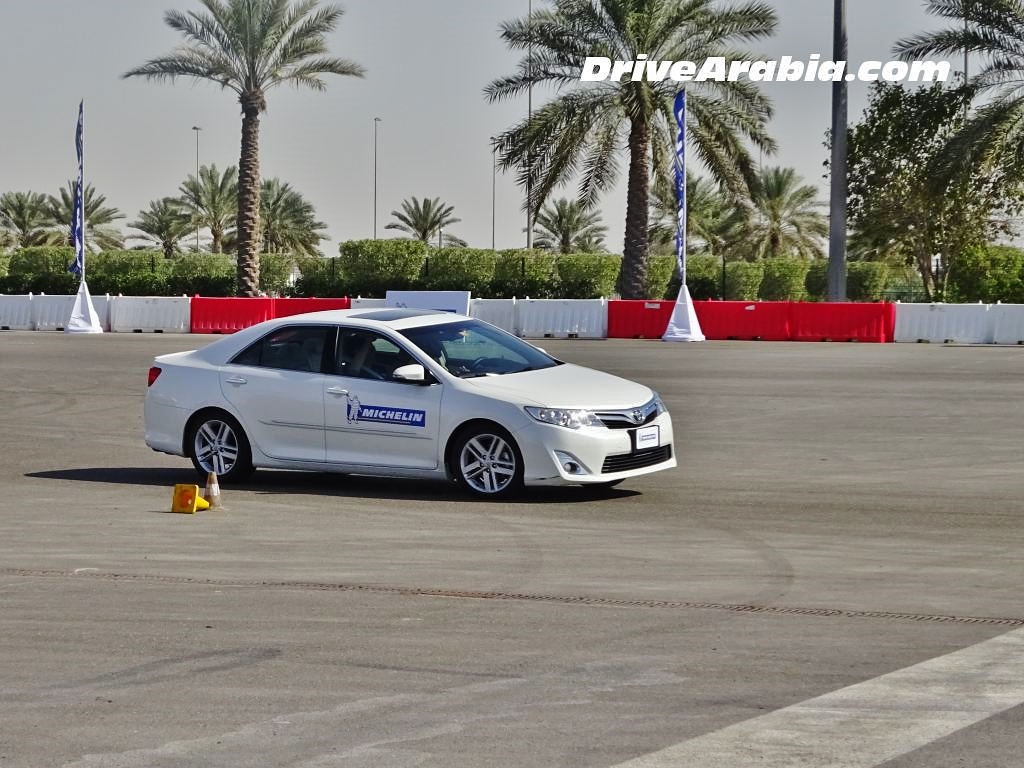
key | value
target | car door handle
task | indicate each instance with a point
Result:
(236, 380)
(337, 391)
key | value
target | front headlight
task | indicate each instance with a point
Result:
(659, 404)
(564, 417)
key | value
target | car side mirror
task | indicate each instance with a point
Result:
(413, 372)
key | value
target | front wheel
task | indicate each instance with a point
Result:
(218, 444)
(486, 461)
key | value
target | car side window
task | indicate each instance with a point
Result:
(292, 348)
(368, 355)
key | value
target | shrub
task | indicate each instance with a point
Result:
(524, 273)
(743, 279)
(132, 273)
(459, 269)
(275, 271)
(816, 281)
(988, 273)
(587, 275)
(784, 279)
(41, 270)
(660, 271)
(372, 267)
(865, 280)
(703, 278)
(318, 277)
(207, 275)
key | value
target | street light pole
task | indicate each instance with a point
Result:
(838, 182)
(376, 122)
(199, 185)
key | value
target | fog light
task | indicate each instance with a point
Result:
(570, 464)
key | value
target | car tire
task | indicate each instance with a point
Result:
(486, 462)
(217, 443)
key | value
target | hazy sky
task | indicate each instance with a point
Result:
(427, 63)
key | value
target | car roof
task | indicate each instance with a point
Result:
(376, 318)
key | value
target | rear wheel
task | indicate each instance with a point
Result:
(487, 463)
(218, 444)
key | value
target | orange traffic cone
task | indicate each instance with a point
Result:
(213, 491)
(187, 500)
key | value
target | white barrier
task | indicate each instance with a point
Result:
(16, 313)
(1007, 323)
(940, 323)
(51, 313)
(155, 314)
(499, 312)
(563, 318)
(360, 303)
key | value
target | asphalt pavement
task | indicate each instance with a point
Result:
(832, 576)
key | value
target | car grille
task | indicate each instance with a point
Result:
(645, 458)
(624, 419)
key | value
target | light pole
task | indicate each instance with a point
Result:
(838, 182)
(494, 189)
(199, 186)
(376, 122)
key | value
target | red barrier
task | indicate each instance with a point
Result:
(297, 306)
(227, 315)
(638, 319)
(746, 320)
(843, 321)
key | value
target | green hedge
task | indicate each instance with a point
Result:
(371, 267)
(661, 271)
(743, 280)
(989, 274)
(587, 275)
(784, 279)
(816, 282)
(459, 269)
(866, 280)
(40, 270)
(525, 274)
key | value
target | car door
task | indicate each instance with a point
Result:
(277, 387)
(372, 419)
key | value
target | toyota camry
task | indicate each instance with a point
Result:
(402, 393)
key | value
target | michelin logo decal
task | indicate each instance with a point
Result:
(358, 412)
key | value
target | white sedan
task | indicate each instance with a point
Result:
(403, 393)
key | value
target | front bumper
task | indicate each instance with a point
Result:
(555, 455)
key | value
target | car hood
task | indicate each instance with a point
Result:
(564, 386)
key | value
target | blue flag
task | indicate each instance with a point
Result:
(78, 215)
(680, 165)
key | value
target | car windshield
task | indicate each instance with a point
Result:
(471, 348)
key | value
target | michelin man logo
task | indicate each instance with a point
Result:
(353, 409)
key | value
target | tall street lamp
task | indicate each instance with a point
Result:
(199, 186)
(838, 182)
(376, 122)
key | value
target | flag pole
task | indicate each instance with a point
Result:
(683, 325)
(83, 317)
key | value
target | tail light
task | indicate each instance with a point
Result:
(153, 373)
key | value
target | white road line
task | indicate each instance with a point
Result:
(869, 723)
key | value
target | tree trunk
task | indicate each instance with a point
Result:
(633, 278)
(248, 221)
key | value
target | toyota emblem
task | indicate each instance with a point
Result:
(638, 416)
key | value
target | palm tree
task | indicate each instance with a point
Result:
(289, 221)
(165, 224)
(712, 216)
(423, 220)
(98, 217)
(25, 220)
(582, 130)
(784, 217)
(994, 134)
(566, 226)
(213, 198)
(250, 46)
